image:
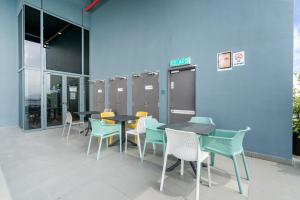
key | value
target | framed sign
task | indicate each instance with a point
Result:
(238, 58)
(224, 61)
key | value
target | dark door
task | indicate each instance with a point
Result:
(99, 96)
(138, 93)
(146, 93)
(182, 94)
(118, 95)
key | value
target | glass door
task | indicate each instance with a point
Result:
(62, 96)
(54, 99)
(73, 97)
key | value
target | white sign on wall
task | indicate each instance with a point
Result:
(238, 58)
(149, 87)
(99, 91)
(120, 89)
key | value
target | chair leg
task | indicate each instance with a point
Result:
(126, 136)
(139, 146)
(182, 167)
(208, 171)
(99, 149)
(163, 171)
(69, 132)
(154, 148)
(245, 165)
(144, 150)
(63, 132)
(212, 159)
(106, 143)
(120, 139)
(88, 151)
(237, 174)
(198, 178)
(110, 139)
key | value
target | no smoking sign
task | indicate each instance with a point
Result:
(238, 58)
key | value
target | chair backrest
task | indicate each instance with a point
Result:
(108, 114)
(141, 114)
(239, 138)
(151, 123)
(96, 125)
(183, 145)
(107, 110)
(69, 118)
(202, 120)
(141, 126)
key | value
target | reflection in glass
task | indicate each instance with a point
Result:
(54, 100)
(62, 45)
(32, 102)
(32, 48)
(73, 97)
(86, 52)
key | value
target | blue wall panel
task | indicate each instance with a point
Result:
(137, 35)
(8, 63)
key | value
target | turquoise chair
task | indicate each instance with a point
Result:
(229, 144)
(102, 130)
(154, 135)
(202, 120)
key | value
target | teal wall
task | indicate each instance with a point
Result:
(137, 35)
(8, 63)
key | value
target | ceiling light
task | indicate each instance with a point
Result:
(59, 33)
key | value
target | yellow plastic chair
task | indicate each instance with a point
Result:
(108, 114)
(138, 114)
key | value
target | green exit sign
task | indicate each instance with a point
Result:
(180, 62)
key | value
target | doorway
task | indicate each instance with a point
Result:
(182, 94)
(99, 95)
(145, 93)
(118, 95)
(62, 95)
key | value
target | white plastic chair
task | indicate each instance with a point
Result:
(69, 120)
(185, 146)
(140, 129)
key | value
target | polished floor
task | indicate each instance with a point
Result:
(42, 166)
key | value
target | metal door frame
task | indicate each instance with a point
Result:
(186, 67)
(64, 95)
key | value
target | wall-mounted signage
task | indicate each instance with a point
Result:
(120, 89)
(180, 61)
(99, 91)
(224, 61)
(238, 58)
(149, 87)
(73, 88)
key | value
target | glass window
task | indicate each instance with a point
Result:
(20, 39)
(21, 99)
(73, 95)
(87, 93)
(32, 47)
(32, 99)
(86, 52)
(62, 45)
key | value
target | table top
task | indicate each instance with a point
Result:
(88, 112)
(198, 128)
(122, 118)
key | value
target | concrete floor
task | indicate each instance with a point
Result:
(42, 166)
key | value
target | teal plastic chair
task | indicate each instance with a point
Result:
(202, 120)
(154, 135)
(102, 130)
(229, 144)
